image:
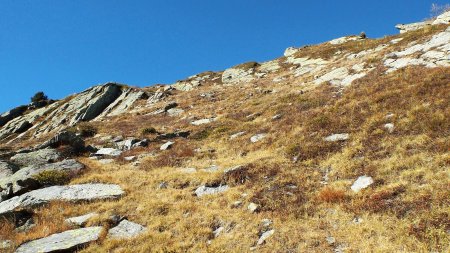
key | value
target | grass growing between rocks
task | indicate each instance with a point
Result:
(298, 180)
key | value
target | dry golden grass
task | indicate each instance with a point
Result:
(405, 210)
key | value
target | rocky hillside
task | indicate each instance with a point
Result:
(337, 147)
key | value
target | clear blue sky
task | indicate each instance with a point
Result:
(64, 46)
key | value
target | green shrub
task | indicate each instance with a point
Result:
(52, 177)
(148, 130)
(87, 130)
(38, 97)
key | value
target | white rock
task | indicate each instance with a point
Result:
(125, 230)
(290, 51)
(389, 127)
(265, 236)
(204, 190)
(237, 75)
(203, 121)
(412, 27)
(334, 76)
(337, 137)
(65, 241)
(257, 137)
(234, 136)
(218, 231)
(444, 18)
(361, 183)
(108, 152)
(167, 145)
(188, 170)
(343, 40)
(252, 207)
(80, 220)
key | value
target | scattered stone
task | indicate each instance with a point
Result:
(342, 40)
(337, 137)
(129, 158)
(389, 127)
(239, 74)
(203, 121)
(290, 51)
(125, 230)
(361, 183)
(38, 157)
(266, 223)
(81, 192)
(108, 152)
(163, 185)
(218, 231)
(257, 137)
(330, 240)
(276, 117)
(174, 112)
(65, 241)
(265, 236)
(204, 190)
(80, 220)
(252, 207)
(234, 136)
(412, 27)
(5, 244)
(357, 220)
(236, 204)
(167, 145)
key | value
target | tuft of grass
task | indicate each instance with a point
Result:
(52, 177)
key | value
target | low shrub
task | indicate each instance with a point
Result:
(52, 177)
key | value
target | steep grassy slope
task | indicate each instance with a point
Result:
(298, 180)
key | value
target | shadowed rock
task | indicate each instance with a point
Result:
(62, 242)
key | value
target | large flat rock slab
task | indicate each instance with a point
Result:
(81, 192)
(62, 242)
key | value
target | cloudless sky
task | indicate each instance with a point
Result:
(65, 46)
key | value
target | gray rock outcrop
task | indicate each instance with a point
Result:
(38, 157)
(24, 179)
(80, 220)
(62, 242)
(7, 169)
(81, 192)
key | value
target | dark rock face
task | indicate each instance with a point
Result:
(112, 92)
(64, 138)
(10, 115)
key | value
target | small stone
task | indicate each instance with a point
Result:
(167, 145)
(236, 204)
(234, 136)
(129, 158)
(257, 137)
(252, 207)
(389, 127)
(108, 152)
(80, 220)
(203, 121)
(217, 232)
(337, 137)
(361, 183)
(330, 240)
(264, 236)
(204, 190)
(266, 223)
(276, 117)
(163, 185)
(126, 229)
